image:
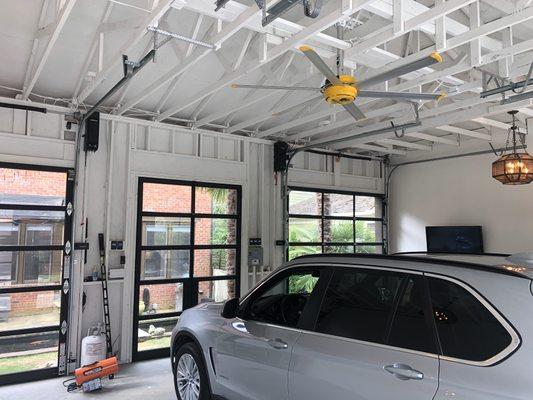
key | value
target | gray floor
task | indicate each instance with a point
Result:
(147, 380)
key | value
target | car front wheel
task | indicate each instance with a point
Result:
(190, 376)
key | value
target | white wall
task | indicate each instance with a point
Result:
(459, 192)
(106, 193)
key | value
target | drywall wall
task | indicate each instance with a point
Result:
(459, 192)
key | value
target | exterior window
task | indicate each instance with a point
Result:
(358, 304)
(283, 300)
(410, 328)
(328, 222)
(467, 330)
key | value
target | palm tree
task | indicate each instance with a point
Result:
(219, 196)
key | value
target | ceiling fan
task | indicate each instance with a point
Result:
(344, 89)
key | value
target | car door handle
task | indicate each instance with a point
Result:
(404, 372)
(277, 343)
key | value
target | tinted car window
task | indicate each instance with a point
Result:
(283, 300)
(410, 329)
(467, 330)
(358, 304)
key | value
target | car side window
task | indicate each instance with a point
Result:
(467, 329)
(358, 304)
(283, 300)
(410, 328)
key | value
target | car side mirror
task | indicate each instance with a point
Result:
(231, 308)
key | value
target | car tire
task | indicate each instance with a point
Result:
(190, 374)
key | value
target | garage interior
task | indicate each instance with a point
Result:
(159, 154)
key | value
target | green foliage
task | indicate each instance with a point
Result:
(339, 233)
(302, 283)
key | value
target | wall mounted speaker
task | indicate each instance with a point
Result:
(92, 132)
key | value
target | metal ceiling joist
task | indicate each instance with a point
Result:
(465, 132)
(408, 145)
(227, 32)
(380, 149)
(35, 44)
(432, 138)
(58, 27)
(347, 9)
(431, 14)
(160, 9)
(92, 49)
(493, 123)
(480, 110)
(414, 8)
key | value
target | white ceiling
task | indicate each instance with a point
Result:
(56, 37)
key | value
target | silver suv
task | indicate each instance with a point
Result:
(332, 327)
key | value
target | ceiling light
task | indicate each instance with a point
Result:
(514, 168)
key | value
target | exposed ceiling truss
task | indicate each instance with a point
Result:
(470, 34)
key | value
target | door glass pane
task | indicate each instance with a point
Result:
(410, 329)
(161, 264)
(338, 205)
(283, 298)
(297, 251)
(216, 201)
(216, 290)
(367, 249)
(30, 268)
(28, 352)
(160, 298)
(155, 333)
(29, 309)
(305, 230)
(159, 197)
(367, 207)
(21, 186)
(467, 330)
(338, 230)
(368, 232)
(31, 228)
(338, 249)
(214, 262)
(166, 231)
(305, 203)
(358, 304)
(215, 231)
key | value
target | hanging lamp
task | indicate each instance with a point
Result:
(514, 168)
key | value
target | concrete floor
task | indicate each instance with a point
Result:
(145, 380)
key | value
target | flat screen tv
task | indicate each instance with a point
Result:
(454, 239)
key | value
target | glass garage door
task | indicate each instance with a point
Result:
(35, 221)
(188, 252)
(322, 221)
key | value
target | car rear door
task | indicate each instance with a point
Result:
(373, 340)
(253, 353)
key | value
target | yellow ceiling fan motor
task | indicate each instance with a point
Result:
(341, 94)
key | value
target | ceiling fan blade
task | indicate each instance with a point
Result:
(320, 65)
(400, 95)
(237, 86)
(354, 111)
(404, 69)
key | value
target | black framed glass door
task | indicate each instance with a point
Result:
(187, 252)
(35, 233)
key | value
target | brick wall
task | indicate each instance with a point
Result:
(36, 183)
(176, 198)
(31, 302)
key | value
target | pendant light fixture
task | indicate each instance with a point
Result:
(514, 168)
